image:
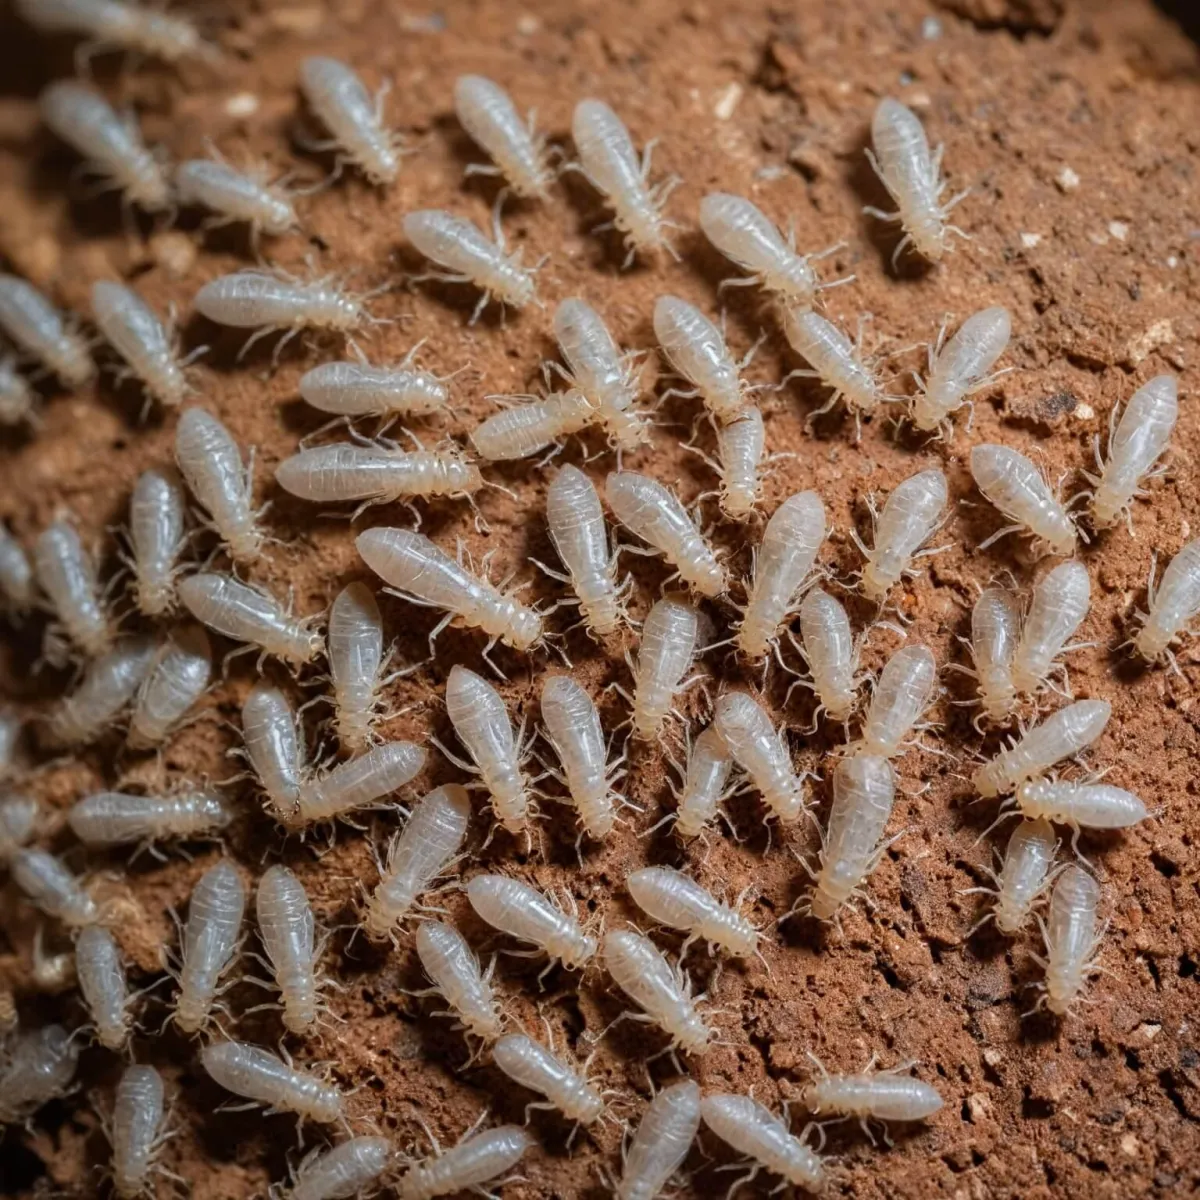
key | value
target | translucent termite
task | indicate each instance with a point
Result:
(66, 574)
(419, 853)
(891, 1095)
(864, 789)
(475, 1161)
(209, 942)
(576, 523)
(108, 686)
(354, 646)
(142, 340)
(533, 1066)
(1024, 875)
(662, 1142)
(358, 783)
(288, 932)
(527, 429)
(610, 164)
(1060, 602)
(1071, 938)
(18, 588)
(37, 1069)
(1134, 446)
(753, 1130)
(157, 533)
(529, 916)
(423, 574)
(274, 748)
(449, 961)
(574, 731)
(995, 631)
(235, 196)
(696, 349)
(902, 694)
(668, 649)
(1173, 605)
(482, 724)
(355, 389)
(653, 512)
(1080, 805)
(1019, 490)
(835, 360)
(663, 992)
(679, 902)
(486, 111)
(831, 653)
(337, 96)
(122, 819)
(245, 614)
(51, 887)
(741, 444)
(211, 463)
(960, 368)
(137, 1130)
(346, 1170)
(112, 25)
(38, 328)
(18, 821)
(783, 563)
(176, 682)
(910, 515)
(12, 727)
(18, 403)
(1062, 735)
(913, 178)
(762, 752)
(102, 981)
(705, 783)
(110, 144)
(257, 1074)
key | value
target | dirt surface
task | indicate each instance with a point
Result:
(1077, 133)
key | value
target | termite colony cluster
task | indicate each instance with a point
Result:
(151, 683)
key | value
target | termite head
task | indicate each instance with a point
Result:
(706, 576)
(796, 284)
(989, 781)
(516, 288)
(245, 545)
(1063, 986)
(738, 503)
(693, 1036)
(303, 646)
(150, 191)
(1152, 642)
(522, 626)
(930, 238)
(880, 573)
(1009, 914)
(577, 950)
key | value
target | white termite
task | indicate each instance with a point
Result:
(1019, 490)
(741, 445)
(887, 1095)
(762, 752)
(654, 513)
(995, 631)
(477, 713)
(486, 111)
(354, 646)
(1059, 605)
(258, 1075)
(18, 588)
(288, 932)
(449, 961)
(909, 516)
(274, 748)
(902, 694)
(337, 96)
(157, 533)
(1173, 605)
(753, 1130)
(19, 816)
(674, 899)
(574, 732)
(864, 790)
(110, 144)
(783, 564)
(695, 348)
(147, 345)
(1134, 446)
(960, 368)
(18, 403)
(66, 573)
(345, 1171)
(663, 1139)
(610, 164)
(176, 682)
(475, 1161)
(38, 329)
(108, 686)
(539, 1069)
(419, 853)
(137, 1130)
(705, 783)
(1062, 735)
(668, 648)
(835, 360)
(356, 389)
(12, 726)
(37, 1069)
(358, 783)
(1024, 875)
(209, 942)
(1083, 805)
(123, 819)
(101, 976)
(245, 614)
(211, 463)
(913, 178)
(1071, 938)
(234, 196)
(51, 887)
(423, 574)
(111, 25)
(527, 429)
(662, 991)
(530, 916)
(831, 653)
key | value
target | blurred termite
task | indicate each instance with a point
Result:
(102, 981)
(1019, 490)
(762, 752)
(236, 197)
(106, 819)
(960, 368)
(52, 888)
(137, 1131)
(19, 817)
(208, 943)
(109, 684)
(157, 534)
(176, 682)
(18, 401)
(910, 515)
(66, 574)
(18, 587)
(39, 330)
(115, 25)
(38, 1068)
(486, 111)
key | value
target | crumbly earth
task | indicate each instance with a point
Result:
(1076, 131)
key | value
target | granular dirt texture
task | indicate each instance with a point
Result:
(1077, 130)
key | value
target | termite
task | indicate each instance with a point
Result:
(1085, 805)
(357, 783)
(19, 817)
(654, 513)
(610, 164)
(1071, 938)
(66, 574)
(209, 942)
(337, 96)
(1060, 603)
(356, 389)
(1024, 875)
(18, 403)
(695, 348)
(960, 368)
(38, 328)
(475, 1161)
(663, 1139)
(137, 1130)
(705, 783)
(902, 694)
(264, 1078)
(762, 752)
(668, 648)
(913, 178)
(179, 677)
(12, 727)
(18, 588)
(354, 647)
(420, 852)
(234, 196)
(783, 563)
(51, 974)
(835, 360)
(754, 1131)
(111, 145)
(486, 111)
(1019, 490)
(288, 932)
(346, 1170)
(995, 631)
(157, 533)
(1173, 605)
(37, 1069)
(831, 653)
(449, 961)
(533, 1066)
(1062, 735)
(888, 1095)
(910, 515)
(120, 819)
(741, 445)
(51, 887)
(108, 686)
(529, 916)
(663, 992)
(274, 748)
(674, 899)
(102, 981)
(110, 24)
(527, 429)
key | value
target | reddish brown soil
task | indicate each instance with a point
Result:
(1102, 283)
